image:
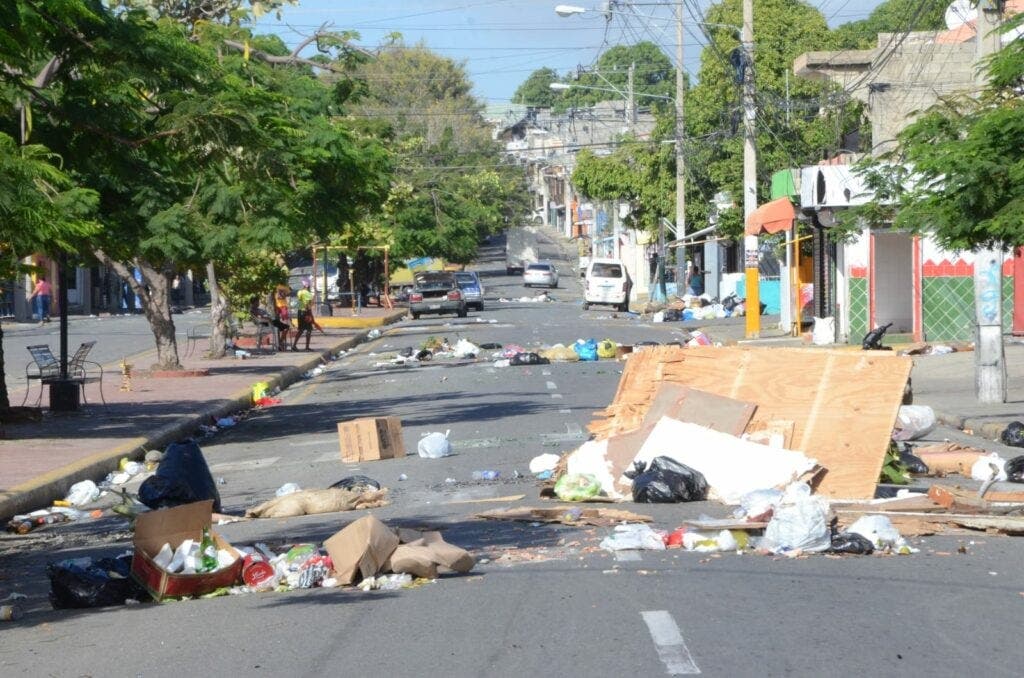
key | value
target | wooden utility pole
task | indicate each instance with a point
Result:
(989, 357)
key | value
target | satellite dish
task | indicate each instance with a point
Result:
(960, 12)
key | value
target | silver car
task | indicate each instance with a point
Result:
(541, 273)
(472, 289)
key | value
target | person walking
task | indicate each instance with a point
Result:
(305, 312)
(41, 294)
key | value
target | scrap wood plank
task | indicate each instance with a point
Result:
(716, 412)
(1003, 524)
(956, 500)
(842, 404)
(921, 504)
(569, 515)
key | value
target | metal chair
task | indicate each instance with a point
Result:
(78, 370)
(45, 367)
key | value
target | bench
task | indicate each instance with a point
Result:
(45, 368)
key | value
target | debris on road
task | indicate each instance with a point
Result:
(181, 478)
(434, 445)
(311, 502)
(82, 493)
(567, 515)
(370, 439)
(80, 583)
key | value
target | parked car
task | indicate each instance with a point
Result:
(436, 292)
(472, 289)
(540, 273)
(298, 274)
(607, 282)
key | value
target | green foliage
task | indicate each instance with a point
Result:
(958, 170)
(450, 187)
(653, 75)
(892, 16)
(894, 471)
(536, 89)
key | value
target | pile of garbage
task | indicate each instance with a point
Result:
(699, 307)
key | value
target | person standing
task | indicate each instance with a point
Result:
(304, 309)
(42, 293)
(282, 318)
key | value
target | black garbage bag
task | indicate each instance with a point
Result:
(490, 346)
(407, 352)
(527, 359)
(357, 484)
(729, 303)
(671, 315)
(84, 582)
(1013, 435)
(182, 478)
(873, 339)
(667, 481)
(1015, 470)
(912, 462)
(851, 542)
(425, 354)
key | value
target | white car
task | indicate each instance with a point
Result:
(540, 273)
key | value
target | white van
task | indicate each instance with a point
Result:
(607, 282)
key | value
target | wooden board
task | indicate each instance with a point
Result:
(567, 515)
(843, 404)
(699, 407)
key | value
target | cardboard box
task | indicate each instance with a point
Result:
(371, 438)
(173, 526)
(361, 548)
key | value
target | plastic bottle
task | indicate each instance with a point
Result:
(485, 475)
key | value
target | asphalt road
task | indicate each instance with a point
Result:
(544, 600)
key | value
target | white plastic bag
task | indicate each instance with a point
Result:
(710, 543)
(466, 349)
(802, 526)
(83, 493)
(633, 536)
(287, 488)
(913, 421)
(982, 468)
(434, 445)
(543, 462)
(878, 530)
(824, 331)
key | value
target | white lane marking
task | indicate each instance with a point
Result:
(315, 441)
(556, 396)
(627, 556)
(244, 465)
(573, 429)
(565, 411)
(546, 373)
(668, 641)
(551, 386)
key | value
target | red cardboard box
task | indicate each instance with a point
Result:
(173, 526)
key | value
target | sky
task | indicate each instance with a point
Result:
(502, 41)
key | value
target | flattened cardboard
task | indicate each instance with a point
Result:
(567, 515)
(361, 549)
(699, 407)
(172, 526)
(370, 439)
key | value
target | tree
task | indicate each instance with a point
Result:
(792, 130)
(653, 74)
(892, 16)
(451, 187)
(536, 89)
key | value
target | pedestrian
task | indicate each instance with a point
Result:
(282, 318)
(41, 294)
(696, 282)
(305, 312)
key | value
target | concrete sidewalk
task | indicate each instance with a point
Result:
(40, 460)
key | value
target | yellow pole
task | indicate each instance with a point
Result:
(794, 276)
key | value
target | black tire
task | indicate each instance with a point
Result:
(463, 313)
(555, 286)
(586, 306)
(415, 316)
(508, 271)
(624, 307)
(480, 306)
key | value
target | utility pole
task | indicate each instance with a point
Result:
(631, 99)
(989, 357)
(680, 132)
(750, 244)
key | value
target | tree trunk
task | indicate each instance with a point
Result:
(5, 401)
(219, 311)
(153, 292)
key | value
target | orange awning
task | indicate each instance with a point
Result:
(771, 217)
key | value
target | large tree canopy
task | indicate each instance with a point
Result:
(892, 16)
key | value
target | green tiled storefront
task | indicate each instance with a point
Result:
(949, 307)
(858, 309)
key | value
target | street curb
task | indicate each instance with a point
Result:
(990, 429)
(42, 490)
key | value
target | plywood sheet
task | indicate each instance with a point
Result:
(843, 404)
(699, 407)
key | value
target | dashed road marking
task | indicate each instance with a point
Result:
(668, 641)
(247, 465)
(627, 556)
(546, 373)
(556, 396)
(566, 411)
(551, 386)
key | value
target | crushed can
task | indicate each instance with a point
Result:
(257, 572)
